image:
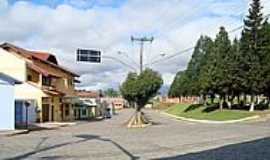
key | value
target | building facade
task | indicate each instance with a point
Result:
(44, 80)
(7, 97)
(88, 105)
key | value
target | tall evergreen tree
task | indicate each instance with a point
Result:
(265, 53)
(215, 73)
(250, 66)
(188, 82)
(195, 65)
(236, 87)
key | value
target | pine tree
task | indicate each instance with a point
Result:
(221, 57)
(195, 65)
(236, 87)
(250, 66)
(207, 69)
(265, 57)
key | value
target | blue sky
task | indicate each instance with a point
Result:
(81, 4)
(62, 26)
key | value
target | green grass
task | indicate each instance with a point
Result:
(210, 113)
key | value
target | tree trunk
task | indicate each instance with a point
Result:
(138, 119)
(230, 102)
(252, 106)
(204, 100)
(258, 99)
(245, 99)
(212, 99)
(238, 99)
(221, 103)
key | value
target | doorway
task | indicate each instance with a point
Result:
(45, 112)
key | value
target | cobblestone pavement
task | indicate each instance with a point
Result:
(166, 139)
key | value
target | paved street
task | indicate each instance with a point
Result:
(166, 139)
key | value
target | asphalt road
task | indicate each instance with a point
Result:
(166, 139)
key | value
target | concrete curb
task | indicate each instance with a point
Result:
(13, 133)
(209, 121)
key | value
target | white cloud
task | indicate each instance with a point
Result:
(62, 29)
(3, 5)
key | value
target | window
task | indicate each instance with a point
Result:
(47, 81)
(70, 82)
(83, 112)
(29, 77)
(67, 111)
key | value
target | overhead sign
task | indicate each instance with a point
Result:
(86, 55)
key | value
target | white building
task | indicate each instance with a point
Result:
(7, 100)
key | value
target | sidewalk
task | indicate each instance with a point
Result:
(50, 125)
(13, 132)
(36, 127)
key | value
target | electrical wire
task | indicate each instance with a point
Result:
(191, 48)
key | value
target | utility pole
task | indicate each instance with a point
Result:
(142, 41)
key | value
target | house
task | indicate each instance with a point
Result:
(115, 103)
(43, 80)
(88, 105)
(7, 100)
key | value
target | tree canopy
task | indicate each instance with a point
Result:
(110, 92)
(140, 88)
(230, 68)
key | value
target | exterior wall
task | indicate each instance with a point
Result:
(117, 103)
(35, 75)
(90, 112)
(60, 84)
(15, 66)
(31, 112)
(180, 100)
(28, 91)
(7, 114)
(12, 65)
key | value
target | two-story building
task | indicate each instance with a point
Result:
(88, 105)
(44, 80)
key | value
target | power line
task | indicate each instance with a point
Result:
(120, 61)
(142, 41)
(191, 48)
(130, 58)
(185, 17)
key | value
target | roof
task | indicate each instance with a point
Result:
(87, 94)
(9, 79)
(35, 55)
(45, 56)
(53, 92)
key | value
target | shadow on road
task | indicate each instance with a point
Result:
(125, 151)
(84, 138)
(253, 150)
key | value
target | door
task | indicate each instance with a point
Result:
(18, 112)
(62, 112)
(52, 113)
(45, 112)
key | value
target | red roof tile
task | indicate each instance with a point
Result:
(87, 94)
(41, 56)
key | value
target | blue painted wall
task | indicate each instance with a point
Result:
(7, 106)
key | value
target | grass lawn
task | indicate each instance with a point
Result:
(207, 113)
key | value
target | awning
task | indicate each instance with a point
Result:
(76, 81)
(53, 92)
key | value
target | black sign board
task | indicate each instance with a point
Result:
(85, 55)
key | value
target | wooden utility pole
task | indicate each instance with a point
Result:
(142, 41)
